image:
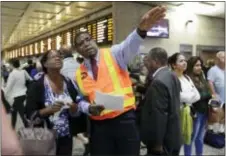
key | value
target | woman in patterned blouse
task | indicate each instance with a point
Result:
(55, 99)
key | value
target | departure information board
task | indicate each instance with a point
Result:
(101, 30)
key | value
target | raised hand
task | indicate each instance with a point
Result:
(152, 17)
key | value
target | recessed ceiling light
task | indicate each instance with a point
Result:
(68, 9)
(58, 16)
(41, 21)
(57, 9)
(49, 23)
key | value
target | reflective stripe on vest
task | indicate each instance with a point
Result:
(112, 72)
(79, 81)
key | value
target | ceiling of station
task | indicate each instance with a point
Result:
(212, 9)
(21, 21)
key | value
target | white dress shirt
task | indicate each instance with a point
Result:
(15, 86)
(69, 67)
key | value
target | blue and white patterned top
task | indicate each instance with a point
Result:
(59, 119)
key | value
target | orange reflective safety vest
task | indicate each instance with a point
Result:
(111, 79)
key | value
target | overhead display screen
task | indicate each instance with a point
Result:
(159, 30)
(101, 30)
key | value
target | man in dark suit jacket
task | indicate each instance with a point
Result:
(160, 119)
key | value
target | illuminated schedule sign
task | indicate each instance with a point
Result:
(101, 30)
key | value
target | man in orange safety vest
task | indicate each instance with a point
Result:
(105, 70)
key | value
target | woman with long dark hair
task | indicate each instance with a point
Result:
(196, 74)
(55, 99)
(188, 95)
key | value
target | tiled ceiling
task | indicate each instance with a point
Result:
(21, 21)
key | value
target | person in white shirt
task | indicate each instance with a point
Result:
(70, 64)
(189, 94)
(16, 90)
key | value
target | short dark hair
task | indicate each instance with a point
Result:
(159, 54)
(15, 63)
(67, 55)
(65, 52)
(173, 59)
(30, 62)
(77, 35)
(79, 60)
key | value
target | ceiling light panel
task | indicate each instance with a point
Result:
(41, 15)
(49, 8)
(62, 3)
(16, 5)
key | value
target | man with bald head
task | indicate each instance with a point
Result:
(215, 77)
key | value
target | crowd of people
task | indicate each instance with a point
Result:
(59, 91)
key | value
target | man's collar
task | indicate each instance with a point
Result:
(158, 70)
(97, 58)
(68, 58)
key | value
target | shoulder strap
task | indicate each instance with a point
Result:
(71, 88)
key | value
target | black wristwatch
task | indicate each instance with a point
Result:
(142, 33)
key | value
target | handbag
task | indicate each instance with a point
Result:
(37, 141)
(214, 111)
(187, 124)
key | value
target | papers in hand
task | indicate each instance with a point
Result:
(65, 100)
(110, 102)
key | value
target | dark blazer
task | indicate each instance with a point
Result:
(160, 117)
(35, 101)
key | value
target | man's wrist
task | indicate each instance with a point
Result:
(141, 33)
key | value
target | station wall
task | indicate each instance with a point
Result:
(203, 30)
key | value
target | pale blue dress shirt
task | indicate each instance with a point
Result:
(216, 75)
